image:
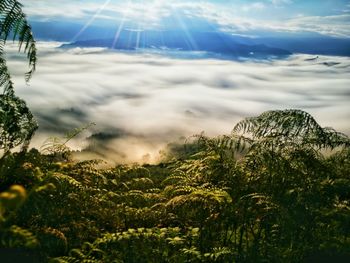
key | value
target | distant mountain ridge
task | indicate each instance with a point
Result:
(294, 42)
(216, 42)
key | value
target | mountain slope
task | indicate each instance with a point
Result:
(215, 42)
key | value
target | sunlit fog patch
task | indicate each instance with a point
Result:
(141, 102)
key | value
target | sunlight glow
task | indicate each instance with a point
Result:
(138, 36)
(120, 28)
(189, 39)
(92, 19)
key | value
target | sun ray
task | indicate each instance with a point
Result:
(138, 36)
(126, 11)
(120, 28)
(91, 20)
(189, 39)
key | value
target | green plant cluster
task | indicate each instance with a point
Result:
(17, 124)
(276, 190)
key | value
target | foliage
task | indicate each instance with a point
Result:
(284, 127)
(13, 23)
(17, 124)
(257, 195)
(57, 147)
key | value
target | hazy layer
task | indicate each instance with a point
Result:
(141, 102)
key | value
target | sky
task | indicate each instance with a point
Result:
(326, 17)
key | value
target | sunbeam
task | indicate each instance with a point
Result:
(120, 28)
(92, 19)
(189, 39)
(138, 36)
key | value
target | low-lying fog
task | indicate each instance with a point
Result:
(141, 102)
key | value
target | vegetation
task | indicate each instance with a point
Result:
(17, 124)
(275, 190)
(13, 23)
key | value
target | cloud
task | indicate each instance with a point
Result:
(281, 2)
(152, 11)
(141, 102)
(253, 6)
(236, 18)
(336, 25)
(43, 9)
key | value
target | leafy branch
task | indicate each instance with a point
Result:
(13, 23)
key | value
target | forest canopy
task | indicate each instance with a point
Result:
(265, 193)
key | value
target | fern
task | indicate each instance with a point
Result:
(203, 198)
(5, 78)
(65, 182)
(17, 124)
(13, 21)
(281, 128)
(173, 180)
(87, 173)
(17, 237)
(220, 254)
(136, 245)
(58, 146)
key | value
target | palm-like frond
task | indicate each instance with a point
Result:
(223, 143)
(283, 127)
(13, 23)
(5, 78)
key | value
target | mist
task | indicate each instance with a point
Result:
(142, 102)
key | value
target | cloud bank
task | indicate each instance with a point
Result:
(141, 102)
(238, 17)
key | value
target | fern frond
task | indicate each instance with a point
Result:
(57, 145)
(5, 78)
(13, 22)
(204, 197)
(282, 127)
(66, 181)
(220, 254)
(260, 203)
(173, 180)
(17, 124)
(17, 237)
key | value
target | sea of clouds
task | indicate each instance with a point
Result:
(140, 102)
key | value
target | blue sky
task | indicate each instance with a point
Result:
(327, 17)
